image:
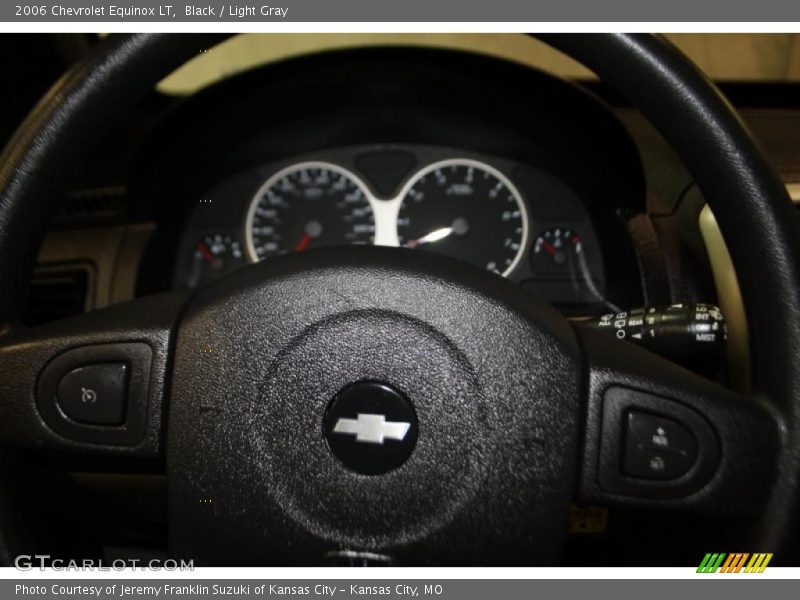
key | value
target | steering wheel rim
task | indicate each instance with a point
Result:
(749, 202)
(748, 199)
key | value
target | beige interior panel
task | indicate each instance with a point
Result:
(739, 57)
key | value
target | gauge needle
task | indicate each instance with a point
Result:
(303, 243)
(549, 248)
(205, 252)
(433, 236)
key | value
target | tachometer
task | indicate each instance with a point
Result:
(308, 205)
(465, 209)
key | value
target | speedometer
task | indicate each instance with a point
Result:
(465, 209)
(308, 205)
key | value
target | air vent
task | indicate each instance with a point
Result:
(58, 291)
(104, 206)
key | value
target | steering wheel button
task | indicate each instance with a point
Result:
(657, 447)
(95, 394)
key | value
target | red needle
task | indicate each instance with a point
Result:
(205, 252)
(549, 248)
(303, 243)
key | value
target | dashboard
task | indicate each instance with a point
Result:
(494, 164)
(516, 220)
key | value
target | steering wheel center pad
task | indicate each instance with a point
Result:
(261, 354)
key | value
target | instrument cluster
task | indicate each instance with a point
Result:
(519, 221)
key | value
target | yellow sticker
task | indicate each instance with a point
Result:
(587, 519)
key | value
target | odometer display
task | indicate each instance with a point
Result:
(308, 205)
(465, 209)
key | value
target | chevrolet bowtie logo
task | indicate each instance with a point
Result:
(372, 429)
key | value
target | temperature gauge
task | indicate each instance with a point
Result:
(556, 252)
(214, 256)
(559, 256)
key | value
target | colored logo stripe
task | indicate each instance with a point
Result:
(710, 563)
(758, 563)
(734, 562)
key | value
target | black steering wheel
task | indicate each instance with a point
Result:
(471, 414)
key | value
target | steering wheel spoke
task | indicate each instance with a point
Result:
(93, 383)
(660, 435)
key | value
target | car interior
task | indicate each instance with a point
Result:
(457, 299)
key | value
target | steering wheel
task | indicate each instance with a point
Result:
(371, 405)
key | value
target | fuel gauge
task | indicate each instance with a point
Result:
(214, 256)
